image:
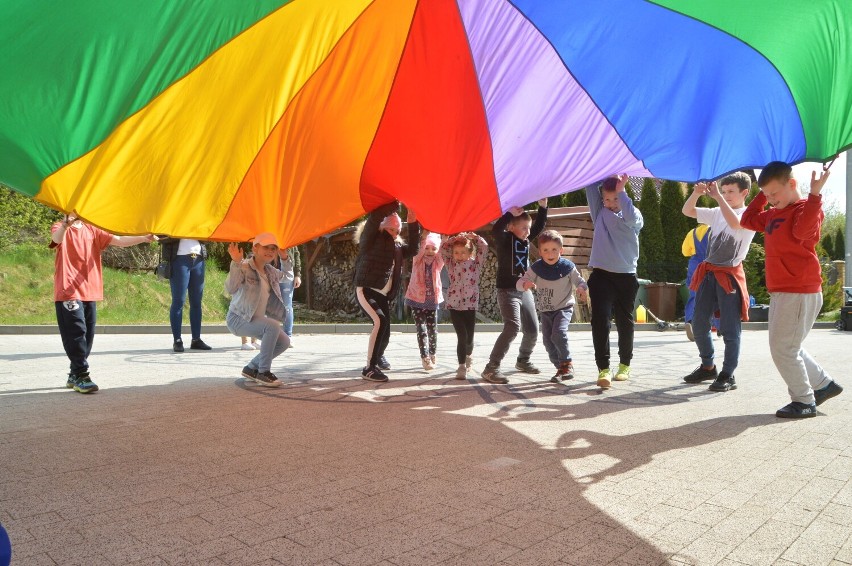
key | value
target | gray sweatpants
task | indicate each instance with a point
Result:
(791, 317)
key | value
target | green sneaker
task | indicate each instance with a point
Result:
(84, 384)
(623, 373)
(604, 379)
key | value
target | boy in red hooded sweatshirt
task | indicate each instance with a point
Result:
(794, 281)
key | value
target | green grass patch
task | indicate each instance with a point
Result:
(26, 292)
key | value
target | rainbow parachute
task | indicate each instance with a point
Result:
(219, 120)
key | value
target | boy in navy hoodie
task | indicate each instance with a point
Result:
(554, 280)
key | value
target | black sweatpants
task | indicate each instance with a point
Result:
(77, 328)
(612, 293)
(376, 306)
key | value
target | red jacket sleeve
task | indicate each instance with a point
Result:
(754, 218)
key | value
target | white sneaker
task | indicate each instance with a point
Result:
(468, 361)
(255, 345)
(247, 346)
(427, 363)
(461, 373)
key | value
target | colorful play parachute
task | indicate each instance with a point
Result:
(219, 120)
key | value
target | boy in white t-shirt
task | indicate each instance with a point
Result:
(719, 281)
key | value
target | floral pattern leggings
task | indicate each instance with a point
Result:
(427, 335)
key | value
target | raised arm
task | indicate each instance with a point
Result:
(540, 220)
(593, 196)
(727, 212)
(754, 217)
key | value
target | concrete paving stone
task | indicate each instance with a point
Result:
(844, 555)
(840, 468)
(430, 554)
(549, 551)
(823, 531)
(205, 551)
(804, 551)
(502, 456)
(525, 535)
(706, 549)
(479, 535)
(494, 553)
(152, 561)
(767, 543)
(34, 560)
(595, 552)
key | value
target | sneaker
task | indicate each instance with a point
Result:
(383, 364)
(249, 373)
(372, 373)
(461, 373)
(198, 344)
(604, 379)
(564, 372)
(84, 384)
(468, 361)
(700, 374)
(493, 375)
(178, 345)
(434, 361)
(72, 379)
(526, 367)
(796, 410)
(725, 382)
(255, 345)
(427, 363)
(623, 373)
(247, 346)
(267, 378)
(689, 333)
(827, 392)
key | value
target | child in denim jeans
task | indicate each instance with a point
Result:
(554, 280)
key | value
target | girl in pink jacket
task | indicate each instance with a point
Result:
(424, 295)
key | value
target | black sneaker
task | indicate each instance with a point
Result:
(725, 382)
(493, 375)
(267, 378)
(827, 392)
(249, 373)
(178, 345)
(796, 410)
(700, 374)
(372, 373)
(84, 384)
(72, 379)
(526, 367)
(199, 345)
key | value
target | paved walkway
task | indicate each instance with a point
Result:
(179, 461)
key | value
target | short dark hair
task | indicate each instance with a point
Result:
(522, 216)
(775, 171)
(550, 236)
(609, 184)
(740, 179)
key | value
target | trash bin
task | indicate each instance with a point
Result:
(662, 299)
(758, 313)
(642, 294)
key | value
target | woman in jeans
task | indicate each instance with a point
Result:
(257, 307)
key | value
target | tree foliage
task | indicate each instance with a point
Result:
(839, 248)
(651, 239)
(23, 219)
(676, 225)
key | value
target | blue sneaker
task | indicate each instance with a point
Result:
(84, 384)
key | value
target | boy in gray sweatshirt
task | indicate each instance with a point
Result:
(613, 284)
(554, 280)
